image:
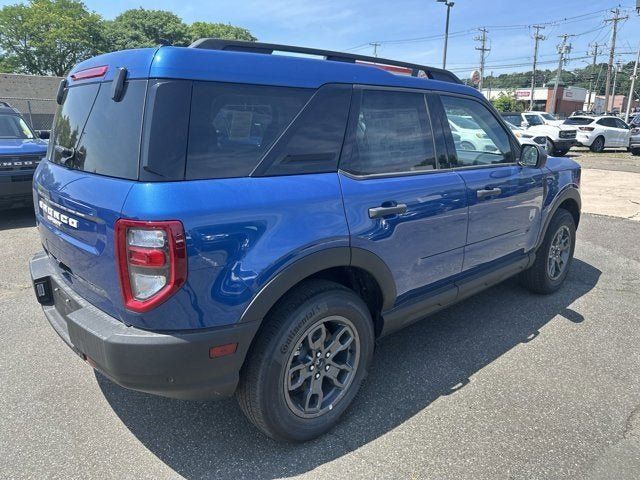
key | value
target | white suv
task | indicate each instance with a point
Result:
(560, 138)
(599, 133)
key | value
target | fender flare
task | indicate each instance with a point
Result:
(570, 192)
(313, 263)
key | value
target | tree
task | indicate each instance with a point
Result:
(218, 30)
(138, 28)
(505, 103)
(48, 37)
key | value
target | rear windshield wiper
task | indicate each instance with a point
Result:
(67, 155)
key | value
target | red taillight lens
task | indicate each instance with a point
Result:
(587, 129)
(93, 72)
(152, 261)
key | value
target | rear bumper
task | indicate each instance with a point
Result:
(174, 364)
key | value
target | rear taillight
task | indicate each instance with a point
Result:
(587, 129)
(152, 261)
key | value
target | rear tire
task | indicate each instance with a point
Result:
(289, 383)
(598, 145)
(553, 258)
(635, 151)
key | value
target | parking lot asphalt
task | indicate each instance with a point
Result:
(504, 385)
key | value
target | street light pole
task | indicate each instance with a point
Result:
(446, 31)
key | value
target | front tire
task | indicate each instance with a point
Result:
(561, 152)
(308, 361)
(553, 258)
(635, 151)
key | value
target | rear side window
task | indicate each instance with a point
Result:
(313, 142)
(392, 134)
(232, 126)
(95, 134)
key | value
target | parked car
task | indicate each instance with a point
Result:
(225, 220)
(20, 152)
(601, 132)
(559, 138)
(634, 140)
(527, 138)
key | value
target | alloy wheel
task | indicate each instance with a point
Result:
(322, 367)
(559, 253)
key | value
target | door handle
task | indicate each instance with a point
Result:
(386, 209)
(488, 192)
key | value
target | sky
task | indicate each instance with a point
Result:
(412, 30)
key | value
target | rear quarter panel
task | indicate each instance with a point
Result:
(240, 233)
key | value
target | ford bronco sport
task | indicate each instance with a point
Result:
(221, 219)
(20, 152)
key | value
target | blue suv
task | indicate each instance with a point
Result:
(225, 219)
(20, 153)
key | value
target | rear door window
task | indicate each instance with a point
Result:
(232, 126)
(392, 134)
(96, 134)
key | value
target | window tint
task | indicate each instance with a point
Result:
(578, 121)
(12, 126)
(313, 142)
(232, 126)
(109, 143)
(514, 119)
(392, 134)
(607, 122)
(483, 141)
(533, 120)
(70, 119)
(621, 124)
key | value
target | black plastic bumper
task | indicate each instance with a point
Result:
(175, 364)
(565, 144)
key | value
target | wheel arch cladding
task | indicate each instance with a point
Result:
(568, 199)
(357, 269)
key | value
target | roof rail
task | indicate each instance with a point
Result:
(268, 48)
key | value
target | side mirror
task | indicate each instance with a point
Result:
(524, 124)
(43, 134)
(532, 156)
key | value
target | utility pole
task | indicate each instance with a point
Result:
(594, 52)
(633, 86)
(615, 81)
(446, 31)
(537, 37)
(614, 32)
(483, 51)
(563, 49)
(375, 46)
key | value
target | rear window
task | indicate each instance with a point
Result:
(95, 134)
(578, 121)
(232, 126)
(514, 119)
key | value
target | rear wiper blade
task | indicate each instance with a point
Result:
(67, 155)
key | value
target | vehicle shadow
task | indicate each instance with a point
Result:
(17, 218)
(412, 368)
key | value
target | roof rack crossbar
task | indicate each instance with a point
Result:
(269, 48)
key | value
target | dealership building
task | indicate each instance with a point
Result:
(568, 99)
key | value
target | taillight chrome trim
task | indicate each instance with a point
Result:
(177, 249)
